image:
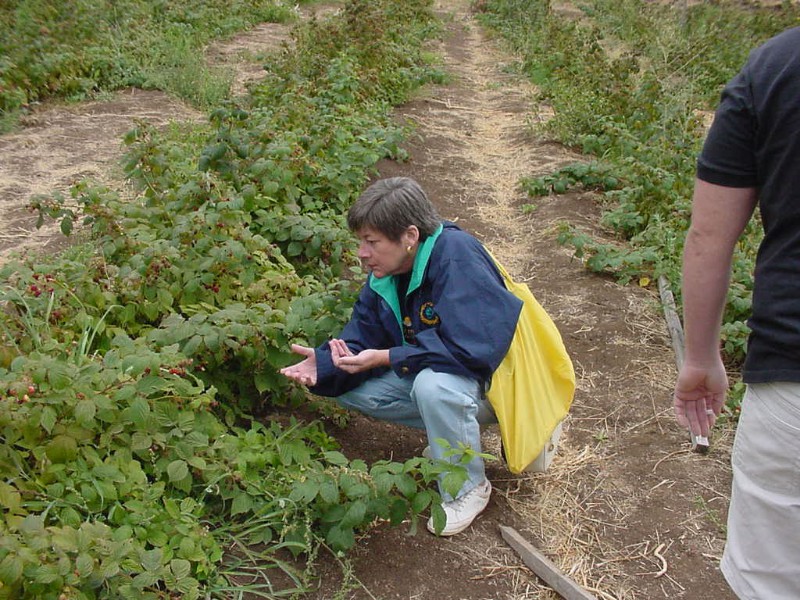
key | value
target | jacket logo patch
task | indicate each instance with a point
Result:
(428, 315)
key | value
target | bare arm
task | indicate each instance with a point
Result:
(719, 215)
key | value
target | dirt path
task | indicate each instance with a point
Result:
(59, 146)
(626, 509)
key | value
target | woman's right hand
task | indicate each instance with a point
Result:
(343, 358)
(304, 372)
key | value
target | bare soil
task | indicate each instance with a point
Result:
(626, 510)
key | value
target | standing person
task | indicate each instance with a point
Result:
(430, 326)
(752, 157)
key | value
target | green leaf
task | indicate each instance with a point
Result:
(125, 393)
(45, 574)
(151, 560)
(305, 491)
(145, 580)
(11, 569)
(439, 518)
(197, 439)
(165, 299)
(177, 470)
(334, 514)
(242, 503)
(406, 484)
(157, 538)
(354, 515)
(197, 462)
(340, 538)
(384, 482)
(59, 376)
(71, 517)
(329, 490)
(421, 501)
(189, 550)
(336, 458)
(189, 588)
(48, 419)
(107, 490)
(140, 441)
(265, 380)
(85, 411)
(180, 568)
(359, 490)
(84, 565)
(398, 511)
(294, 248)
(138, 412)
(122, 534)
(452, 482)
(62, 449)
(66, 225)
(109, 569)
(9, 497)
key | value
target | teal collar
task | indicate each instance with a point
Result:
(386, 287)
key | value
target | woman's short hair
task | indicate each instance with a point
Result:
(390, 206)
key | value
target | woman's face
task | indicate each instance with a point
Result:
(383, 256)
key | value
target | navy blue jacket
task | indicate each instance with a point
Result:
(459, 317)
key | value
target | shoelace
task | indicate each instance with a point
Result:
(459, 502)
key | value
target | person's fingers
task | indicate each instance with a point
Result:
(342, 347)
(691, 422)
(705, 416)
(336, 350)
(304, 350)
(680, 414)
(711, 417)
(718, 403)
(692, 417)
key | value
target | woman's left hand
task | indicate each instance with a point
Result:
(344, 359)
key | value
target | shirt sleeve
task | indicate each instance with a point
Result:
(364, 330)
(728, 157)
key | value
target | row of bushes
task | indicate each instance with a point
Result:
(131, 366)
(630, 84)
(78, 49)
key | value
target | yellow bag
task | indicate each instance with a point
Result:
(532, 389)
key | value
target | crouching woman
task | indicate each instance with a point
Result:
(431, 324)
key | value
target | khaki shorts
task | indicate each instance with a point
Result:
(762, 554)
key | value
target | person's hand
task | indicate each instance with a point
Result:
(700, 395)
(344, 359)
(304, 372)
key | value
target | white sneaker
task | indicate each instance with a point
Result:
(461, 512)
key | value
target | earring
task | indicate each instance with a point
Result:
(408, 249)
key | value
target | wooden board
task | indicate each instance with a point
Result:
(544, 568)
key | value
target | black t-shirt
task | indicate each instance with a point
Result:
(755, 142)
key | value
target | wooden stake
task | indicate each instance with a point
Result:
(699, 443)
(544, 567)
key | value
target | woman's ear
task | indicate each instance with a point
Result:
(410, 236)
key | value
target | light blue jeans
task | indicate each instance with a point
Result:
(446, 406)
